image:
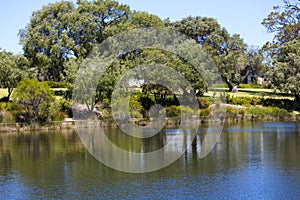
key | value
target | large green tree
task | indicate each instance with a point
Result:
(228, 51)
(284, 22)
(284, 49)
(284, 76)
(10, 71)
(62, 30)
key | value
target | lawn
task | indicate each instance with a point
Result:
(253, 92)
(3, 92)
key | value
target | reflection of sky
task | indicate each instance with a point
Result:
(266, 127)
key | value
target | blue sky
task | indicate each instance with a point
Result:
(237, 16)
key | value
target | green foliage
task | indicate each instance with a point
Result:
(266, 110)
(7, 106)
(205, 111)
(173, 111)
(229, 52)
(280, 103)
(285, 74)
(252, 86)
(10, 73)
(204, 102)
(62, 30)
(135, 106)
(286, 104)
(35, 99)
(65, 106)
(217, 85)
(285, 23)
(243, 101)
(176, 111)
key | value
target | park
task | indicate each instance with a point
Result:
(108, 102)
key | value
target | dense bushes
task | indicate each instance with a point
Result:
(286, 104)
(34, 98)
(251, 85)
(243, 101)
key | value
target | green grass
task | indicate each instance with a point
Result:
(3, 93)
(252, 92)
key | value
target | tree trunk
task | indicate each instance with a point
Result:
(9, 93)
(229, 84)
(296, 101)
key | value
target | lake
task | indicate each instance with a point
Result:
(250, 161)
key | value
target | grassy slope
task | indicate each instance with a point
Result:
(253, 92)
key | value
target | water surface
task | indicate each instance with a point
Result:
(250, 161)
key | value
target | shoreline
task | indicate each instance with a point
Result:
(170, 122)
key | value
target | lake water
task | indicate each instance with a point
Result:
(250, 161)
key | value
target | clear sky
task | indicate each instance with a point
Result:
(237, 16)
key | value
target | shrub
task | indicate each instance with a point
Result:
(172, 111)
(7, 106)
(176, 111)
(58, 116)
(35, 99)
(204, 102)
(65, 106)
(243, 101)
(266, 110)
(205, 112)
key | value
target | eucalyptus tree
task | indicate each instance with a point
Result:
(284, 49)
(228, 51)
(11, 71)
(63, 30)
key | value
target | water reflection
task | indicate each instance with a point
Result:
(243, 164)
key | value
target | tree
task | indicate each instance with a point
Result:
(285, 74)
(284, 50)
(285, 24)
(10, 73)
(35, 99)
(205, 31)
(232, 62)
(228, 52)
(62, 30)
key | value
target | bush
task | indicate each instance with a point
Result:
(243, 101)
(286, 104)
(204, 102)
(35, 99)
(266, 110)
(58, 116)
(7, 106)
(176, 111)
(172, 111)
(205, 112)
(65, 106)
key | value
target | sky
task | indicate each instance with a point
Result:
(237, 16)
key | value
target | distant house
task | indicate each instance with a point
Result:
(251, 78)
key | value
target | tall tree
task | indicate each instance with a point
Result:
(284, 49)
(285, 74)
(284, 23)
(63, 30)
(10, 71)
(227, 51)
